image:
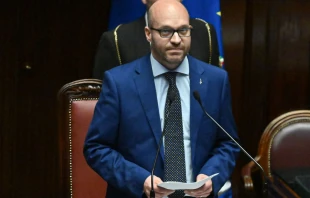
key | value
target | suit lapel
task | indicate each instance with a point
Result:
(197, 83)
(144, 81)
(145, 85)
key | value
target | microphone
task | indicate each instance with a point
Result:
(171, 97)
(265, 184)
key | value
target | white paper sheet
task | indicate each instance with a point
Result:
(185, 186)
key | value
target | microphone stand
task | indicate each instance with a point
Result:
(265, 178)
(152, 192)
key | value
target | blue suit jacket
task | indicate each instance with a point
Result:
(122, 140)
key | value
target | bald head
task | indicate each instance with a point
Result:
(149, 3)
(166, 10)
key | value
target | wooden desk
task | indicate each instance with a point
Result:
(284, 181)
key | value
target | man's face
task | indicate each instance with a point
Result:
(170, 52)
(148, 3)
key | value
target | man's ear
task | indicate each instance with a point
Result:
(144, 1)
(148, 34)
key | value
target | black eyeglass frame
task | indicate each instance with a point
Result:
(173, 31)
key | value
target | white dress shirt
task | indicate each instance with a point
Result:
(183, 84)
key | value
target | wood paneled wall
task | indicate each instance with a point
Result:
(45, 44)
(267, 55)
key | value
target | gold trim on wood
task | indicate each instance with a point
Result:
(209, 35)
(70, 148)
(116, 45)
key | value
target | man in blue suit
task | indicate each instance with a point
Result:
(128, 121)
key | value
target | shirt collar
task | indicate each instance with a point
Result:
(159, 69)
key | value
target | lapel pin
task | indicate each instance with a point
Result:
(200, 81)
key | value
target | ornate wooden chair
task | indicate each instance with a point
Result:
(284, 153)
(76, 106)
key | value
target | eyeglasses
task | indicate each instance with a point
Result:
(168, 33)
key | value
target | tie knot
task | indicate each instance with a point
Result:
(171, 76)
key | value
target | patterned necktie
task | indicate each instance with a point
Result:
(174, 142)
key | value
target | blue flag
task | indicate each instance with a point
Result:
(210, 11)
(125, 11)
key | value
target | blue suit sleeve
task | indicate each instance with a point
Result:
(100, 148)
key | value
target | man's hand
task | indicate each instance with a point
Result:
(204, 191)
(159, 192)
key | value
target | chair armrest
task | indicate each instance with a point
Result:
(246, 174)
